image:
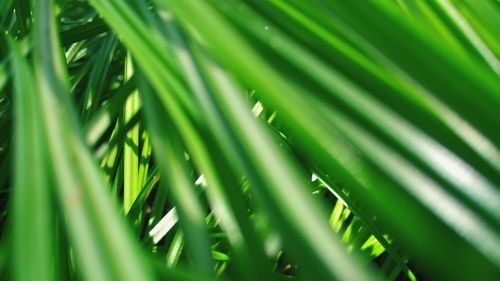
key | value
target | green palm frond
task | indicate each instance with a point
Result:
(249, 140)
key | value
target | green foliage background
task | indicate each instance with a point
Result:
(249, 140)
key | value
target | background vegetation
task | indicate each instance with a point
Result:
(249, 140)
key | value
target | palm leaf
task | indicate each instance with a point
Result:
(247, 140)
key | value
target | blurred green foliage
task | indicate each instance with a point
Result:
(249, 140)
